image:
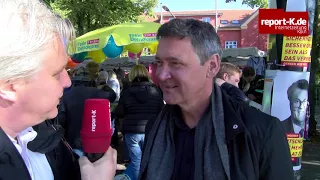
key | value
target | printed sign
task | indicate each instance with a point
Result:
(296, 50)
(143, 38)
(295, 145)
(88, 45)
(289, 104)
(276, 21)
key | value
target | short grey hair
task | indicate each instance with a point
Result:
(204, 38)
(300, 84)
(103, 76)
(28, 27)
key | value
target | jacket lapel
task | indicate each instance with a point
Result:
(12, 165)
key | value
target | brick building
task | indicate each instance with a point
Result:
(236, 28)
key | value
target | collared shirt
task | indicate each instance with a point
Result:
(37, 163)
(184, 139)
(184, 163)
(296, 128)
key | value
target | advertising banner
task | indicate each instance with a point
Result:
(289, 104)
(296, 51)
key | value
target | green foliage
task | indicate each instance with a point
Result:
(88, 15)
(253, 3)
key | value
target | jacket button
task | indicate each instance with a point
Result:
(235, 126)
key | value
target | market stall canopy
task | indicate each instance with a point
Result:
(123, 62)
(243, 52)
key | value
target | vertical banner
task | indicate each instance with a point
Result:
(289, 104)
(296, 51)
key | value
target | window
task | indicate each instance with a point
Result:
(206, 19)
(224, 22)
(171, 18)
(235, 22)
(230, 44)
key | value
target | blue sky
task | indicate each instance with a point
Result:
(189, 5)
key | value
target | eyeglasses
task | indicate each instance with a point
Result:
(297, 103)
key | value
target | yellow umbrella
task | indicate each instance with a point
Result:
(123, 34)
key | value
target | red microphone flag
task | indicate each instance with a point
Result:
(96, 131)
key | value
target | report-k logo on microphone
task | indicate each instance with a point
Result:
(277, 21)
(93, 120)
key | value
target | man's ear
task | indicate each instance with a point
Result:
(213, 66)
(8, 92)
(225, 75)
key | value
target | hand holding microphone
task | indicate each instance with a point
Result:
(104, 168)
(96, 133)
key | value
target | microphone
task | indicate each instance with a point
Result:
(96, 131)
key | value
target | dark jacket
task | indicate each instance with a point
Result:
(139, 103)
(71, 109)
(235, 93)
(62, 160)
(258, 148)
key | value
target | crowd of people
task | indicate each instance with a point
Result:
(195, 125)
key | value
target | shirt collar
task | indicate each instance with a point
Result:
(179, 122)
(23, 138)
(296, 128)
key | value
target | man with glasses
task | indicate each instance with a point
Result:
(298, 97)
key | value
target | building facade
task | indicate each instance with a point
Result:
(236, 28)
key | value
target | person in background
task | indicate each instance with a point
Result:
(229, 73)
(113, 82)
(201, 133)
(92, 71)
(228, 78)
(250, 82)
(138, 104)
(103, 77)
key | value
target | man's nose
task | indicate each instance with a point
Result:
(66, 82)
(163, 73)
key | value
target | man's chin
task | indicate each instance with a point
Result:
(52, 114)
(170, 101)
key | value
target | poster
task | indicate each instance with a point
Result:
(296, 51)
(267, 91)
(289, 104)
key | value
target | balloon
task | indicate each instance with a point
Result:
(111, 50)
(153, 48)
(133, 55)
(97, 56)
(79, 57)
(135, 48)
(71, 64)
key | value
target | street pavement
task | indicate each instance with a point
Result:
(311, 161)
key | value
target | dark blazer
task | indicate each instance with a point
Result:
(12, 165)
(63, 162)
(288, 125)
